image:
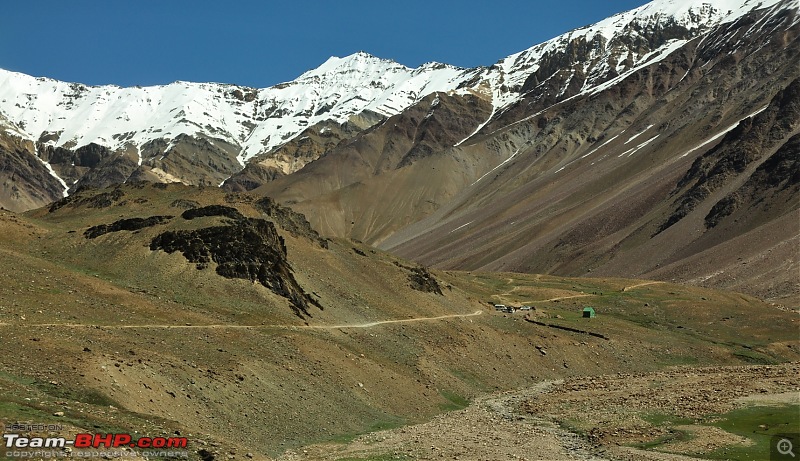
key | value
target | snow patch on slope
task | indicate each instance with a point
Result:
(633, 150)
(52, 172)
(600, 146)
(638, 134)
(721, 133)
(498, 166)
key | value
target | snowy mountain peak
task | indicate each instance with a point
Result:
(690, 14)
(618, 45)
(709, 12)
(356, 62)
(256, 121)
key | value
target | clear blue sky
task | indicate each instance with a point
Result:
(261, 43)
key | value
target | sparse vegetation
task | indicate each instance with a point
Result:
(455, 401)
(139, 339)
(757, 423)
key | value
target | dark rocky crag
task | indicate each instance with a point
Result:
(421, 280)
(129, 224)
(291, 221)
(244, 248)
(212, 210)
(101, 200)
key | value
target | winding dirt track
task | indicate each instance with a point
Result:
(317, 327)
(640, 285)
(384, 322)
(563, 297)
(224, 326)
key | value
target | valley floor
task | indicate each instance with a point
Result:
(683, 413)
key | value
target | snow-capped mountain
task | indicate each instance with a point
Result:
(594, 57)
(646, 145)
(661, 143)
(155, 133)
(74, 115)
(257, 120)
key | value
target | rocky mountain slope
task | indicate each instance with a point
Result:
(200, 134)
(600, 151)
(232, 124)
(590, 182)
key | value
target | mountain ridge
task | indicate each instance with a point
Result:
(578, 184)
(505, 167)
(244, 123)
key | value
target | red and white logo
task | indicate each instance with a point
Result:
(94, 441)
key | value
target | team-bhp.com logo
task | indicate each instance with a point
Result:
(94, 441)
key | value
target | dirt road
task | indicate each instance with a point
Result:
(229, 326)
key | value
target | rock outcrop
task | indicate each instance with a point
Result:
(245, 248)
(129, 224)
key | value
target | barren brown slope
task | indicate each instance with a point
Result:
(576, 183)
(684, 414)
(596, 184)
(25, 182)
(122, 336)
(390, 175)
